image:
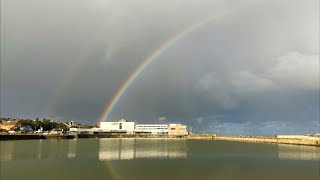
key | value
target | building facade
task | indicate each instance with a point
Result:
(11, 125)
(177, 129)
(133, 128)
(151, 128)
(120, 126)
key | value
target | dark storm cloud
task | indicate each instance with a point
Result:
(255, 70)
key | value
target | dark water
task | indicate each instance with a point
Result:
(156, 159)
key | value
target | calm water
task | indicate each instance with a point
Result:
(156, 159)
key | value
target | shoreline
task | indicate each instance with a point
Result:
(313, 141)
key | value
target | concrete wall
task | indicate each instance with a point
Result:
(297, 137)
(202, 136)
(79, 130)
(315, 142)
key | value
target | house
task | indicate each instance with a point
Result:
(10, 125)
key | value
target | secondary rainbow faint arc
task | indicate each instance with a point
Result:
(151, 58)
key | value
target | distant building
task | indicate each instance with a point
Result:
(123, 126)
(132, 127)
(25, 128)
(177, 129)
(69, 123)
(120, 126)
(81, 130)
(10, 125)
(151, 129)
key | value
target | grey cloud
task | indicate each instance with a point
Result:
(199, 120)
(297, 70)
(291, 72)
(250, 65)
(263, 128)
(216, 90)
(162, 118)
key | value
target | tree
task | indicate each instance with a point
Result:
(28, 122)
(37, 123)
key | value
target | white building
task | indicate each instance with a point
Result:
(123, 126)
(152, 128)
(88, 131)
(120, 126)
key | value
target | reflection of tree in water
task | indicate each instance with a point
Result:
(49, 149)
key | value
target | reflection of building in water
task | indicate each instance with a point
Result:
(39, 149)
(125, 149)
(294, 152)
(6, 149)
(72, 148)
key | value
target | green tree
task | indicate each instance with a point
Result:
(28, 122)
(37, 123)
(46, 124)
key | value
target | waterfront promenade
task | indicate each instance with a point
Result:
(300, 140)
(296, 141)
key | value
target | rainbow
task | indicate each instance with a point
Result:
(148, 61)
(70, 78)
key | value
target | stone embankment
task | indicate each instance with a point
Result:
(115, 135)
(311, 141)
(298, 140)
(4, 137)
(290, 139)
(201, 136)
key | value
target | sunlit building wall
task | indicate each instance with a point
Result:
(177, 129)
(152, 128)
(132, 127)
(122, 125)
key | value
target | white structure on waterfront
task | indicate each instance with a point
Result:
(123, 126)
(298, 137)
(152, 128)
(134, 128)
(120, 126)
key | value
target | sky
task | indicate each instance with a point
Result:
(253, 68)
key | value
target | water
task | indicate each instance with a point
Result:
(156, 159)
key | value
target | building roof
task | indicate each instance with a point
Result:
(8, 123)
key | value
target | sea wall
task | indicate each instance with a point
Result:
(127, 136)
(201, 136)
(21, 136)
(301, 140)
(298, 141)
(4, 137)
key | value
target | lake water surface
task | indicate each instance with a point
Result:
(156, 159)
